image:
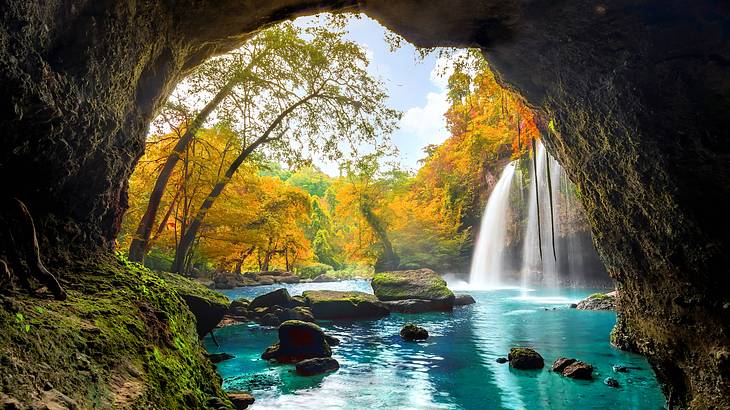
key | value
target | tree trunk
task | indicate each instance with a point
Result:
(140, 243)
(191, 233)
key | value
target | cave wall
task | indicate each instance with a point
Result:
(638, 92)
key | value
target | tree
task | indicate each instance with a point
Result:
(311, 95)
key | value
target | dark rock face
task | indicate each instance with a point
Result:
(610, 382)
(311, 367)
(330, 304)
(638, 95)
(525, 358)
(298, 341)
(411, 332)
(578, 370)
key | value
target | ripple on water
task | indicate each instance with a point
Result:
(456, 368)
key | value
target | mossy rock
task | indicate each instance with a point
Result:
(411, 284)
(331, 304)
(124, 338)
(298, 341)
(207, 305)
(525, 358)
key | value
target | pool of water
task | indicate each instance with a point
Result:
(455, 368)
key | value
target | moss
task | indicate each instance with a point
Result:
(123, 338)
(421, 284)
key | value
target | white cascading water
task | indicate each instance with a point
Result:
(486, 266)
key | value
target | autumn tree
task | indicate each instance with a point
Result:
(310, 96)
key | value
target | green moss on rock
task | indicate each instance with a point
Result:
(331, 304)
(123, 338)
(410, 284)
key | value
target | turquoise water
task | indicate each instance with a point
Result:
(455, 368)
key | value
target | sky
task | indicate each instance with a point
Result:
(413, 86)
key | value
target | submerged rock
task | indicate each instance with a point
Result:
(241, 400)
(279, 297)
(463, 300)
(502, 360)
(220, 357)
(560, 364)
(610, 382)
(423, 284)
(311, 367)
(525, 358)
(324, 278)
(620, 369)
(330, 304)
(298, 341)
(598, 301)
(579, 370)
(411, 332)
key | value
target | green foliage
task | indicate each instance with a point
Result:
(313, 270)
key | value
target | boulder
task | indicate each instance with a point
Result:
(298, 313)
(324, 278)
(219, 357)
(240, 400)
(208, 306)
(240, 303)
(411, 332)
(598, 301)
(270, 319)
(279, 297)
(311, 367)
(226, 280)
(298, 341)
(560, 364)
(525, 358)
(286, 279)
(579, 370)
(418, 306)
(610, 382)
(463, 300)
(330, 304)
(422, 284)
(298, 301)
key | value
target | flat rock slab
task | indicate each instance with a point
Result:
(331, 304)
(423, 284)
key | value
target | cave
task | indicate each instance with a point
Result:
(635, 94)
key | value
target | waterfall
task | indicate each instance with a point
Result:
(565, 264)
(487, 262)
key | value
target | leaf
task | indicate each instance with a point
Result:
(19, 317)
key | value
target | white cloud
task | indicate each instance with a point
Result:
(427, 123)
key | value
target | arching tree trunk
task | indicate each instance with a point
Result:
(140, 243)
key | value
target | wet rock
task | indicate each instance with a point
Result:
(220, 357)
(216, 403)
(298, 300)
(270, 319)
(610, 382)
(331, 340)
(311, 367)
(298, 341)
(579, 370)
(502, 360)
(573, 305)
(411, 332)
(330, 304)
(279, 297)
(463, 300)
(423, 284)
(418, 306)
(324, 278)
(240, 303)
(241, 400)
(298, 313)
(598, 301)
(560, 364)
(620, 368)
(525, 358)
